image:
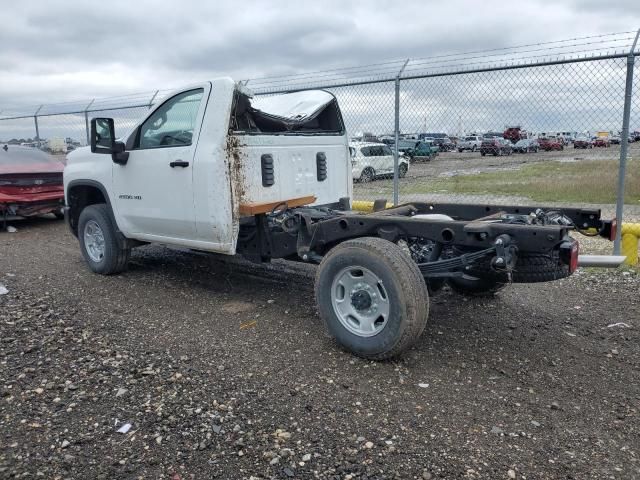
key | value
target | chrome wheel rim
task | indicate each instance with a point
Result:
(367, 176)
(94, 241)
(360, 301)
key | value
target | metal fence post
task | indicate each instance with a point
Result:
(35, 121)
(624, 143)
(396, 187)
(86, 120)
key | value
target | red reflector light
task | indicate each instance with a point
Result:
(573, 261)
(613, 229)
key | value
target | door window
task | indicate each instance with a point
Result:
(173, 123)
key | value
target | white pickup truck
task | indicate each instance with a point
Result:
(470, 142)
(214, 169)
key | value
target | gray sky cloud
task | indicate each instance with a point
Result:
(69, 50)
(65, 51)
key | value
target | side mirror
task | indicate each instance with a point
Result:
(103, 137)
(103, 140)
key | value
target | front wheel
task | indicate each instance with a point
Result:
(402, 170)
(98, 242)
(372, 297)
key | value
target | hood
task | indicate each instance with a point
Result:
(296, 107)
(27, 160)
(293, 108)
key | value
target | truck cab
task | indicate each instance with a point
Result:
(187, 171)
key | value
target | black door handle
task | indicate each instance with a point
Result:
(179, 163)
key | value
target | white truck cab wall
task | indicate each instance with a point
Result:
(295, 167)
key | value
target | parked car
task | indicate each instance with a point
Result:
(526, 145)
(495, 146)
(373, 160)
(615, 140)
(418, 151)
(471, 142)
(490, 135)
(444, 144)
(514, 134)
(602, 142)
(582, 141)
(30, 183)
(550, 143)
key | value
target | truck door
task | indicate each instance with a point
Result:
(154, 189)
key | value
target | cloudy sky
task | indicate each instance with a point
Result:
(60, 50)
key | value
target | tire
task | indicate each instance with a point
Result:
(367, 175)
(59, 214)
(530, 268)
(114, 259)
(402, 170)
(482, 153)
(460, 150)
(387, 272)
(475, 287)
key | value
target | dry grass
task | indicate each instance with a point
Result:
(592, 181)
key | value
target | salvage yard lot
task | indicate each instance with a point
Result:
(578, 176)
(224, 371)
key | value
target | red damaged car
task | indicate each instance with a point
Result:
(30, 183)
(550, 143)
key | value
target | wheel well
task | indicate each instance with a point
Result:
(79, 197)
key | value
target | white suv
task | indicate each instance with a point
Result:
(372, 160)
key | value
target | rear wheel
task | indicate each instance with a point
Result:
(372, 297)
(98, 242)
(402, 170)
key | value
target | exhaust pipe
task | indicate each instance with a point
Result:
(601, 261)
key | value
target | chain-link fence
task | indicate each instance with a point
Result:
(535, 124)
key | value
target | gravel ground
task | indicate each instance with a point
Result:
(223, 371)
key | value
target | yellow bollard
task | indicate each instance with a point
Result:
(629, 245)
(365, 206)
